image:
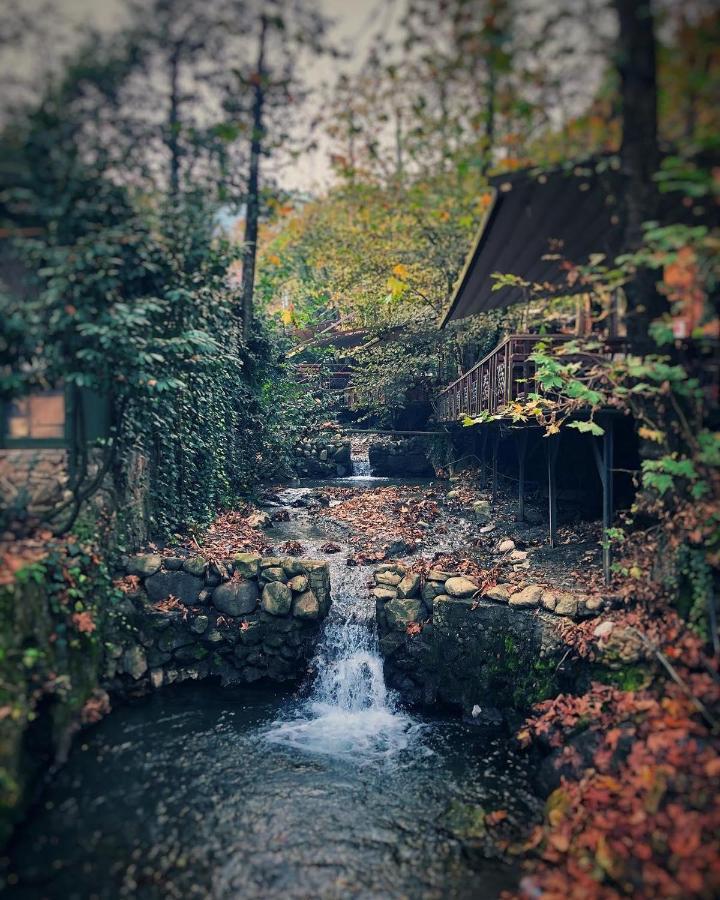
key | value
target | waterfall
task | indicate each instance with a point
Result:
(350, 712)
(360, 461)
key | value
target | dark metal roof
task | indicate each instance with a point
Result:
(538, 219)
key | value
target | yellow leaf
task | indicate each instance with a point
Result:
(651, 434)
(400, 270)
(274, 259)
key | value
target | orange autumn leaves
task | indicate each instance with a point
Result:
(640, 815)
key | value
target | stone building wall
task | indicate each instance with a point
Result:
(32, 482)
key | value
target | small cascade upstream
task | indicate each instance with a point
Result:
(360, 460)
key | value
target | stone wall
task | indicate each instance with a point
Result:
(322, 456)
(445, 640)
(241, 620)
(164, 620)
(406, 457)
(32, 482)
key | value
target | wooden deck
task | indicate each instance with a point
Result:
(504, 375)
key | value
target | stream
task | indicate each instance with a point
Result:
(333, 791)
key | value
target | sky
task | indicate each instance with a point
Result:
(355, 24)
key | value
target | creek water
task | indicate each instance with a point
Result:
(332, 792)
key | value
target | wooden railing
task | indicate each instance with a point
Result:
(504, 375)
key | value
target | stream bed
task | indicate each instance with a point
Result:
(332, 791)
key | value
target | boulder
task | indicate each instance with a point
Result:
(431, 590)
(527, 597)
(276, 598)
(183, 585)
(144, 565)
(566, 605)
(401, 613)
(459, 586)
(500, 592)
(196, 565)
(135, 662)
(173, 563)
(392, 579)
(247, 564)
(438, 575)
(298, 584)
(481, 511)
(199, 624)
(236, 598)
(274, 573)
(306, 606)
(293, 567)
(384, 593)
(518, 555)
(409, 586)
(506, 546)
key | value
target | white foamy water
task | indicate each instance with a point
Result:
(350, 712)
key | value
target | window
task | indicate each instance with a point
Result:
(37, 417)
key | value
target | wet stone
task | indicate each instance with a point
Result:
(528, 597)
(196, 565)
(183, 585)
(143, 565)
(306, 606)
(276, 598)
(400, 613)
(236, 598)
(298, 584)
(247, 564)
(460, 587)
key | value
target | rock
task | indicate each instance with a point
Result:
(400, 613)
(259, 519)
(173, 563)
(529, 596)
(236, 598)
(603, 629)
(465, 821)
(252, 633)
(183, 585)
(294, 567)
(481, 511)
(392, 579)
(500, 592)
(392, 567)
(384, 593)
(439, 600)
(409, 586)
(506, 546)
(199, 624)
(438, 575)
(591, 604)
(276, 598)
(298, 584)
(135, 662)
(453, 495)
(196, 565)
(306, 606)
(144, 565)
(156, 678)
(518, 555)
(274, 573)
(431, 590)
(323, 455)
(549, 600)
(460, 586)
(566, 605)
(247, 564)
(270, 561)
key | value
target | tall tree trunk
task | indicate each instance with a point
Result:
(640, 155)
(173, 140)
(252, 213)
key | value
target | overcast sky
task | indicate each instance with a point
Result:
(356, 22)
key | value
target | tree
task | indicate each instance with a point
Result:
(639, 153)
